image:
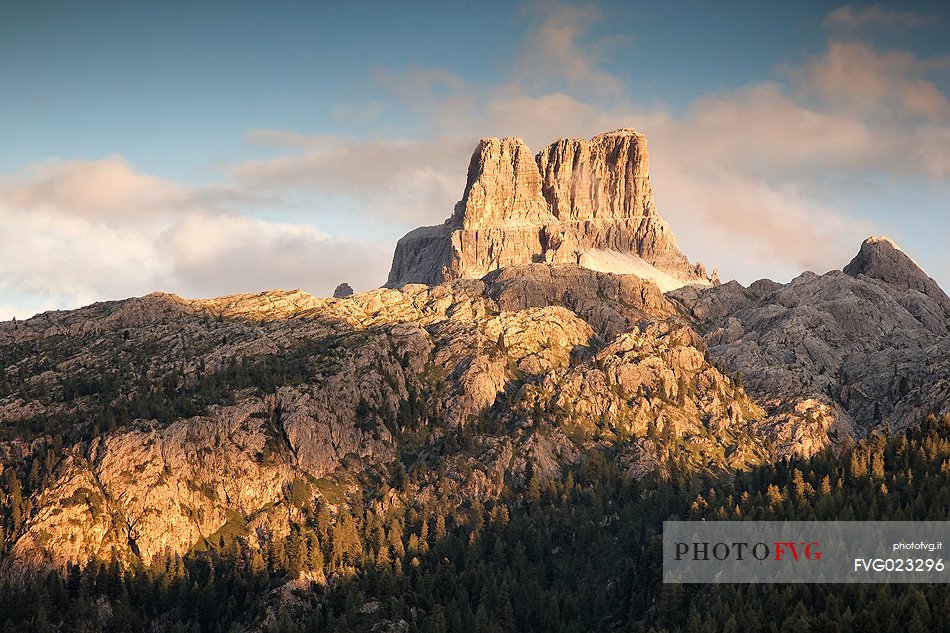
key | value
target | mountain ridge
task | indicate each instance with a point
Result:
(542, 362)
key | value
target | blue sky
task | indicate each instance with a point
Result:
(220, 147)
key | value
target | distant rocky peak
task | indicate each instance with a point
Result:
(881, 258)
(581, 202)
(343, 291)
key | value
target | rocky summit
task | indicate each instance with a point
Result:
(588, 203)
(844, 352)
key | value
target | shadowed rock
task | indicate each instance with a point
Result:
(845, 351)
(343, 291)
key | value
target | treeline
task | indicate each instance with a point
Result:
(579, 553)
(95, 401)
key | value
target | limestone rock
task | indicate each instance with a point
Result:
(343, 291)
(181, 420)
(503, 188)
(577, 202)
(610, 303)
(600, 192)
(880, 258)
(835, 354)
(606, 178)
(261, 391)
(705, 307)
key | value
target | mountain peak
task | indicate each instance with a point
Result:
(623, 131)
(881, 258)
(503, 187)
(576, 202)
(875, 240)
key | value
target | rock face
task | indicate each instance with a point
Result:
(842, 352)
(880, 258)
(343, 291)
(157, 424)
(576, 202)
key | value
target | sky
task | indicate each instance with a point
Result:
(223, 147)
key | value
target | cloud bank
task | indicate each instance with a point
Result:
(77, 232)
(759, 180)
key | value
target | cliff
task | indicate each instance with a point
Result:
(576, 202)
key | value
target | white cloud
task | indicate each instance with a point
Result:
(885, 86)
(107, 188)
(216, 254)
(557, 53)
(51, 254)
(421, 87)
(394, 180)
(752, 228)
(75, 232)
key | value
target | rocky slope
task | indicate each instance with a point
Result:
(576, 202)
(181, 419)
(846, 351)
(149, 426)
